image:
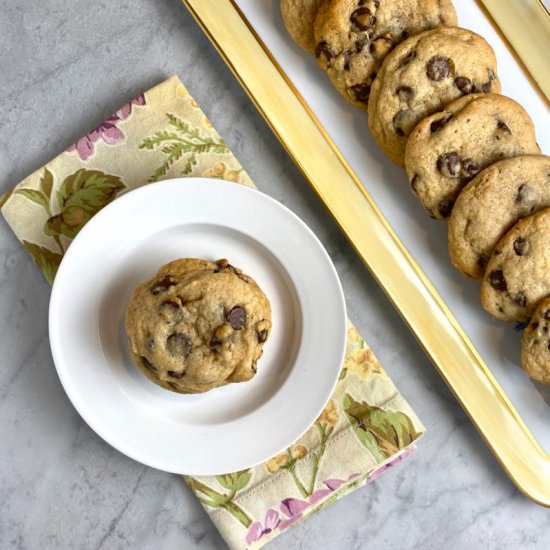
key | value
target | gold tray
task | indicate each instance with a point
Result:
(376, 243)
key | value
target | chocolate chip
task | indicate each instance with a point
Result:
(362, 19)
(361, 92)
(360, 43)
(262, 336)
(449, 164)
(520, 299)
(446, 207)
(404, 92)
(324, 49)
(546, 314)
(436, 125)
(520, 194)
(169, 306)
(548, 346)
(178, 344)
(403, 121)
(482, 260)
(497, 280)
(147, 364)
(438, 68)
(346, 60)
(253, 367)
(163, 285)
(414, 182)
(175, 386)
(534, 326)
(527, 197)
(503, 128)
(215, 342)
(403, 62)
(521, 246)
(470, 167)
(486, 87)
(237, 317)
(381, 46)
(175, 374)
(404, 36)
(464, 84)
(224, 265)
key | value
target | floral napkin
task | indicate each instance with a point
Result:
(366, 426)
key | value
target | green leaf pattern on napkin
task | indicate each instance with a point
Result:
(80, 196)
(181, 140)
(382, 432)
(221, 499)
(45, 259)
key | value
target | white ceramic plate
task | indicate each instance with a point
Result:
(232, 427)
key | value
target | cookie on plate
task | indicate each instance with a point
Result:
(422, 75)
(447, 149)
(491, 204)
(298, 17)
(517, 277)
(535, 344)
(354, 36)
(197, 325)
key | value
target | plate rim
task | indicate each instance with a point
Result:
(290, 117)
(96, 422)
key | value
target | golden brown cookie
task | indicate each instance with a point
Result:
(298, 17)
(422, 75)
(447, 149)
(491, 204)
(197, 325)
(517, 277)
(535, 344)
(353, 37)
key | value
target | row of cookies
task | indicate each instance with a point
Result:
(479, 151)
(431, 90)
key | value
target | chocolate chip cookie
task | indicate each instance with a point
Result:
(535, 344)
(491, 204)
(354, 36)
(517, 277)
(298, 17)
(447, 149)
(422, 75)
(197, 325)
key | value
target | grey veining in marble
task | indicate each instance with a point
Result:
(64, 66)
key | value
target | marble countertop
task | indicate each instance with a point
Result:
(64, 66)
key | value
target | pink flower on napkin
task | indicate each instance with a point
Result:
(256, 531)
(294, 508)
(108, 131)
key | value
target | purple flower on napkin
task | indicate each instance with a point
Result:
(293, 509)
(256, 531)
(379, 471)
(108, 130)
